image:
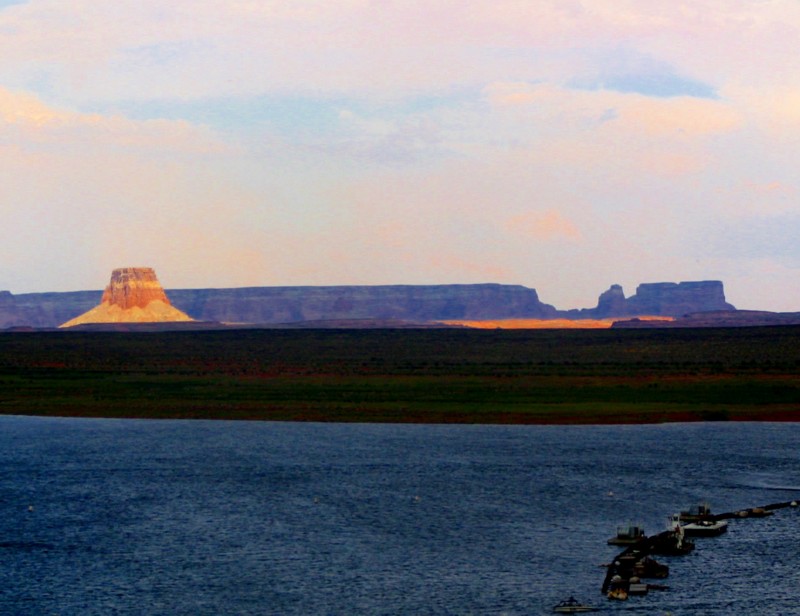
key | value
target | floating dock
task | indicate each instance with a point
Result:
(622, 567)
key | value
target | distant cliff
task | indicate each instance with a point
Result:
(403, 302)
(671, 299)
(658, 299)
(272, 305)
(10, 314)
(381, 303)
(48, 309)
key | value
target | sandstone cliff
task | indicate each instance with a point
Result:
(133, 287)
(671, 299)
(611, 303)
(389, 302)
(133, 295)
(386, 303)
(10, 314)
(667, 299)
(273, 305)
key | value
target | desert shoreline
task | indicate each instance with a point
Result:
(443, 376)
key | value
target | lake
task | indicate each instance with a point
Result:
(213, 517)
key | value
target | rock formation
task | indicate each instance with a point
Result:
(274, 305)
(668, 299)
(44, 310)
(381, 302)
(10, 315)
(671, 299)
(611, 303)
(134, 295)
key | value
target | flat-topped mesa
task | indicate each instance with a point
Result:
(134, 295)
(667, 299)
(677, 299)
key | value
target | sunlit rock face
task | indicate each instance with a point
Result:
(132, 287)
(134, 295)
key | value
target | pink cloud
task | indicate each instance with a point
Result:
(544, 225)
(36, 121)
(685, 116)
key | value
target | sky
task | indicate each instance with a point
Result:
(564, 145)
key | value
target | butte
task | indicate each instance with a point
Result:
(134, 295)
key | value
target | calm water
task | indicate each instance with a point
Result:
(193, 517)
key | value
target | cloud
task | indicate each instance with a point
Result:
(84, 189)
(543, 225)
(33, 121)
(26, 109)
(632, 111)
(565, 145)
(678, 116)
(150, 50)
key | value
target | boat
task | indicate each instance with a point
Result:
(673, 542)
(672, 546)
(695, 513)
(705, 528)
(628, 535)
(618, 589)
(636, 587)
(650, 568)
(572, 606)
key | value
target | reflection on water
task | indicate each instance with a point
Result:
(172, 517)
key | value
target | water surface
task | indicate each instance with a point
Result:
(196, 517)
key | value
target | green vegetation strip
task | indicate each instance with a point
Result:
(465, 376)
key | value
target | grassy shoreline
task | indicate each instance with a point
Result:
(419, 376)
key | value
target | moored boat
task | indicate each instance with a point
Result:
(673, 542)
(618, 589)
(637, 587)
(650, 568)
(695, 513)
(627, 535)
(706, 528)
(673, 546)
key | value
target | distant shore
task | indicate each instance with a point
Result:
(546, 323)
(589, 376)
